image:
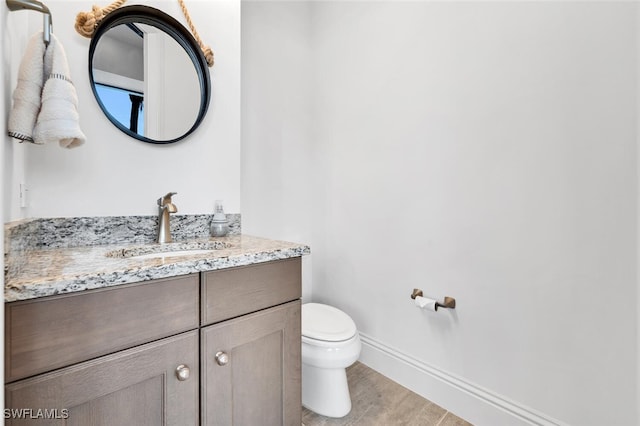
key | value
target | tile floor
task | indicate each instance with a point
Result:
(379, 401)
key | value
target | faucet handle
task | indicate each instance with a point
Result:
(166, 199)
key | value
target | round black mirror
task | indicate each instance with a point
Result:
(148, 74)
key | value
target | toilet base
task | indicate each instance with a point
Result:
(325, 391)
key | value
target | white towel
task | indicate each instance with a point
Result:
(26, 96)
(58, 119)
(45, 103)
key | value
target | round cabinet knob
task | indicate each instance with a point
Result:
(222, 358)
(182, 372)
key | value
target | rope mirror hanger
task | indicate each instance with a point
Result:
(86, 23)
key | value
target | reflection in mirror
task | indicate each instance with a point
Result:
(148, 79)
(125, 105)
(118, 75)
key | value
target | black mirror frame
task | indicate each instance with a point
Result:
(156, 18)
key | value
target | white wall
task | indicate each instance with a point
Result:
(481, 150)
(277, 117)
(113, 174)
(14, 38)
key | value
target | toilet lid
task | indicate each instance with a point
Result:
(324, 322)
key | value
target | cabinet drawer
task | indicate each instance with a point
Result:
(229, 293)
(52, 332)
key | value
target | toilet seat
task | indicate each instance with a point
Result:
(329, 345)
(325, 323)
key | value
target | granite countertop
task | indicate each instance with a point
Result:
(32, 272)
(44, 272)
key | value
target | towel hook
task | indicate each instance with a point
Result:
(14, 5)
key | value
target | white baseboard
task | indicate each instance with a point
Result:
(471, 402)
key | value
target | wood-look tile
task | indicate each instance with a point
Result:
(430, 414)
(407, 409)
(377, 400)
(453, 420)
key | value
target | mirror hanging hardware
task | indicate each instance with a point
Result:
(87, 23)
(14, 5)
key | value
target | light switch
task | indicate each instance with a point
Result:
(24, 195)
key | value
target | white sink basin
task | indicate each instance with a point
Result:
(181, 249)
(171, 254)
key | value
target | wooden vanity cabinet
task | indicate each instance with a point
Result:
(217, 348)
(110, 356)
(251, 371)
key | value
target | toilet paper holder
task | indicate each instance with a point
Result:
(449, 302)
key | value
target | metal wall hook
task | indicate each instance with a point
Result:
(14, 5)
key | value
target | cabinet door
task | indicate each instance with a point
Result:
(139, 386)
(260, 382)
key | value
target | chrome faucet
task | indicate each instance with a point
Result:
(165, 207)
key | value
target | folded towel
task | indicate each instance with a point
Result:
(58, 119)
(26, 96)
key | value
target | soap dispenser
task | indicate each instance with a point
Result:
(219, 223)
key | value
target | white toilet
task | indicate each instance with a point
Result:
(330, 344)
